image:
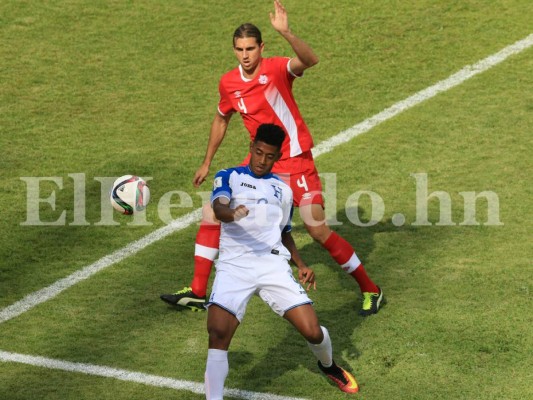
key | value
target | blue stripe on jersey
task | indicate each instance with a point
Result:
(288, 228)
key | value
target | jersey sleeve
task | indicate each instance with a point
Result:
(288, 210)
(288, 227)
(221, 185)
(224, 104)
(292, 74)
(283, 64)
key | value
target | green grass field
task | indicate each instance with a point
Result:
(107, 88)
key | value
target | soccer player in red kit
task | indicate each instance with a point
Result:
(260, 89)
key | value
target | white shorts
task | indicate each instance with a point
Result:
(269, 276)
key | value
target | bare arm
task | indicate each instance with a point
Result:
(224, 213)
(305, 274)
(216, 136)
(305, 56)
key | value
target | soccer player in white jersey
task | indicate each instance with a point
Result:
(260, 89)
(256, 246)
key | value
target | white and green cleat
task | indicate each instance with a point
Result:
(185, 298)
(372, 302)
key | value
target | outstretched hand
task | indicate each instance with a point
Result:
(307, 276)
(279, 19)
(200, 175)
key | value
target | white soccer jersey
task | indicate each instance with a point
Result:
(269, 200)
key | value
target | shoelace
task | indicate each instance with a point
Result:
(184, 290)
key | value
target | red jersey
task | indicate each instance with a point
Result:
(266, 99)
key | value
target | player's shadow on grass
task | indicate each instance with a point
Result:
(362, 239)
(292, 352)
(342, 320)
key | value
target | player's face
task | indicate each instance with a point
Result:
(262, 157)
(248, 52)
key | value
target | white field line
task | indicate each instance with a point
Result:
(49, 292)
(328, 145)
(456, 79)
(131, 376)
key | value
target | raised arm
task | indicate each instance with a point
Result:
(305, 56)
(216, 136)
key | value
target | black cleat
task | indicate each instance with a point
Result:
(185, 298)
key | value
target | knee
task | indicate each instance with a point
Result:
(216, 332)
(319, 233)
(218, 338)
(313, 334)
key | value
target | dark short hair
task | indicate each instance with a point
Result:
(247, 31)
(271, 134)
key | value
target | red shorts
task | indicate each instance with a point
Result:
(301, 175)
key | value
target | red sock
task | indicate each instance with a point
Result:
(365, 283)
(205, 252)
(344, 254)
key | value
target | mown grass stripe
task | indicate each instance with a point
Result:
(454, 80)
(326, 146)
(49, 292)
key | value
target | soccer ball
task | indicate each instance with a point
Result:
(129, 194)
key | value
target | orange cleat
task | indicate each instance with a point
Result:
(342, 378)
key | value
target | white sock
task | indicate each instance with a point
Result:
(352, 264)
(216, 370)
(323, 351)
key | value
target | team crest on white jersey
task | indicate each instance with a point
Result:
(277, 192)
(263, 79)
